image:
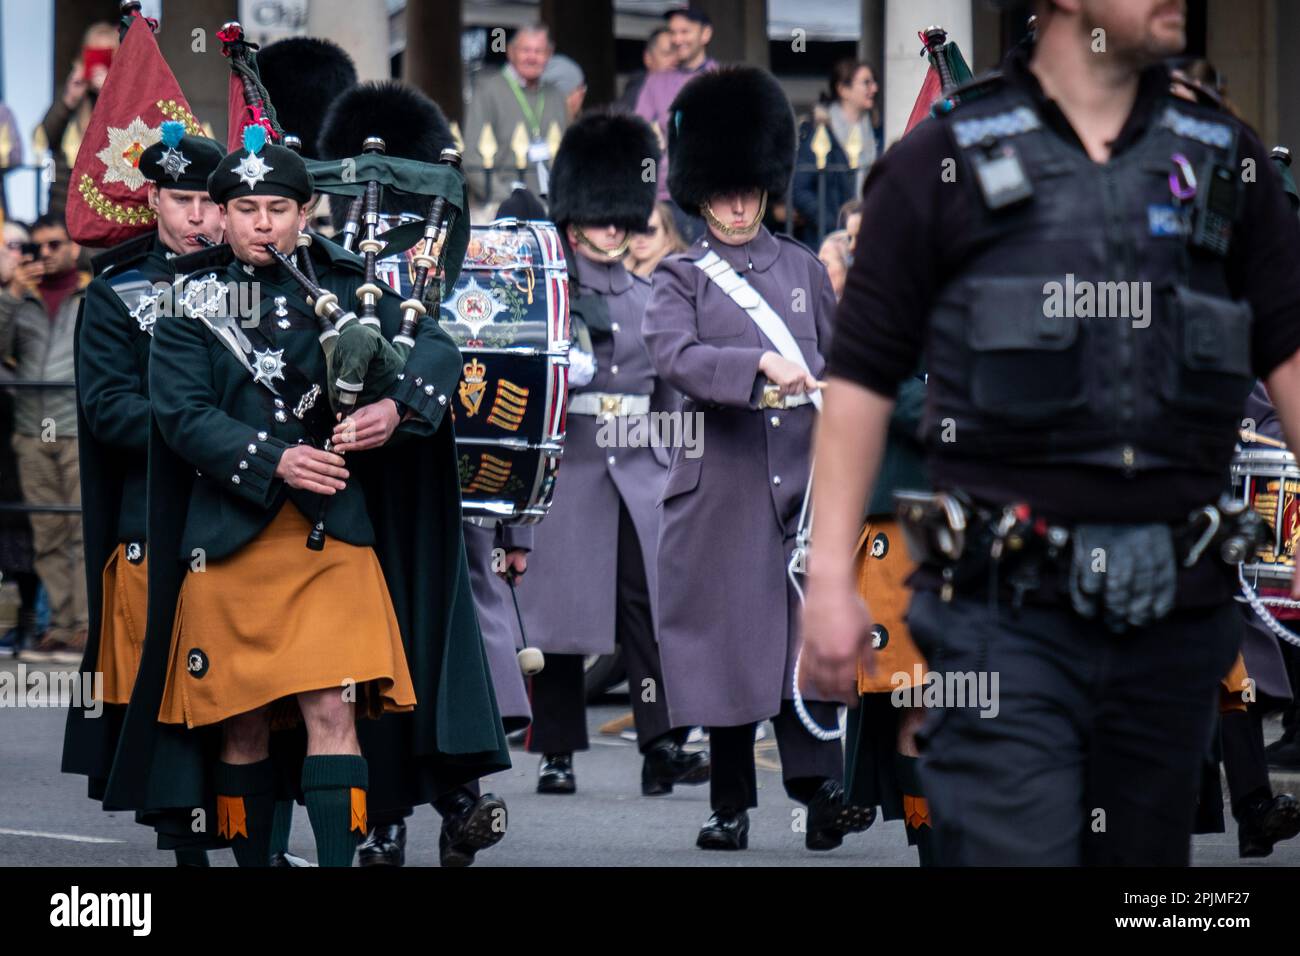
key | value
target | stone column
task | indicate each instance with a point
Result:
(904, 66)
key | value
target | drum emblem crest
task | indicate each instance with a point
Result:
(474, 306)
(473, 387)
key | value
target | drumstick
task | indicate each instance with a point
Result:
(531, 659)
(1261, 439)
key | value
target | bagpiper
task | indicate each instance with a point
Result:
(132, 285)
(262, 653)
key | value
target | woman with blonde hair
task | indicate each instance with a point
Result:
(660, 239)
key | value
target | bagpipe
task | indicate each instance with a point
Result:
(362, 364)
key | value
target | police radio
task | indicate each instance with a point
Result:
(1214, 210)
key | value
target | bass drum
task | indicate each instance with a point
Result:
(1268, 480)
(509, 315)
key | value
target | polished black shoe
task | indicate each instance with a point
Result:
(830, 816)
(667, 763)
(383, 846)
(479, 824)
(555, 775)
(286, 860)
(1266, 821)
(725, 830)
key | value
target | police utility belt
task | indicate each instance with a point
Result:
(1123, 574)
(606, 403)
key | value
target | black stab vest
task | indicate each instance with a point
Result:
(1020, 373)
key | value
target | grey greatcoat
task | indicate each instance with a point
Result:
(569, 595)
(496, 618)
(728, 633)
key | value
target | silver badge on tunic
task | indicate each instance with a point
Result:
(268, 365)
(205, 298)
(145, 312)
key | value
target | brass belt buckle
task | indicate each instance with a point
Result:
(772, 397)
(611, 404)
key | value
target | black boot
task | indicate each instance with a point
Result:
(1265, 821)
(555, 775)
(384, 846)
(469, 824)
(727, 829)
(666, 763)
(830, 816)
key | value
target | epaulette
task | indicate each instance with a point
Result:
(981, 86)
(123, 254)
(796, 243)
(214, 257)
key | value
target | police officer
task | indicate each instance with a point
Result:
(113, 338)
(1072, 434)
(594, 561)
(252, 632)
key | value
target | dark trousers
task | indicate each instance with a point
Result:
(1095, 753)
(806, 762)
(1244, 762)
(558, 694)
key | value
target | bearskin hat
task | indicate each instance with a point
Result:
(601, 176)
(729, 131)
(411, 125)
(303, 75)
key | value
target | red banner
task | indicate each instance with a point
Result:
(108, 195)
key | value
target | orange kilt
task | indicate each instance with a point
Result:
(1233, 686)
(276, 619)
(883, 565)
(122, 619)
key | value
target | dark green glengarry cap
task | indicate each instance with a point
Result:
(260, 169)
(180, 161)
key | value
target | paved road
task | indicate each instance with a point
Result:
(46, 820)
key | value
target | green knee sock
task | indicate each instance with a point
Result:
(191, 857)
(335, 790)
(246, 809)
(281, 826)
(920, 829)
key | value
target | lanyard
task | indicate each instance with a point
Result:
(534, 119)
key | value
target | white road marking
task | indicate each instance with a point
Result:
(70, 837)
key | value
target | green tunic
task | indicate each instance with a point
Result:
(213, 449)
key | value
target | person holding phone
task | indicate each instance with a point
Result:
(65, 122)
